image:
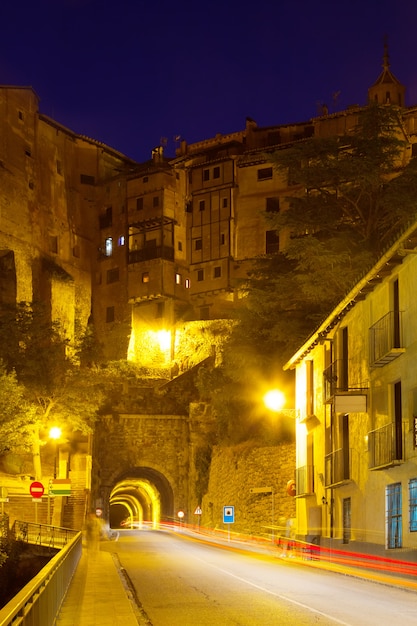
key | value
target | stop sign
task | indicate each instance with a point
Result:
(36, 489)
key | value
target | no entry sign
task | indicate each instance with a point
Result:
(36, 489)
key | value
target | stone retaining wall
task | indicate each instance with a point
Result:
(234, 472)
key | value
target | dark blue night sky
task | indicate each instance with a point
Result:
(129, 73)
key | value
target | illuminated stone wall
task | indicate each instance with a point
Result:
(234, 472)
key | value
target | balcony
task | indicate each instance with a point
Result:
(304, 480)
(338, 467)
(346, 397)
(385, 339)
(386, 445)
(151, 252)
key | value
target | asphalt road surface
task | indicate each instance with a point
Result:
(181, 582)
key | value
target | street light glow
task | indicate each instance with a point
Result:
(274, 400)
(55, 432)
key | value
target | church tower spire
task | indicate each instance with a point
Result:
(387, 89)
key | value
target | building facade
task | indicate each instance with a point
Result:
(356, 434)
(142, 249)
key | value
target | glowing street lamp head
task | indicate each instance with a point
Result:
(55, 432)
(274, 400)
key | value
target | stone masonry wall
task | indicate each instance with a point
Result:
(234, 472)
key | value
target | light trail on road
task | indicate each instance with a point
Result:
(182, 582)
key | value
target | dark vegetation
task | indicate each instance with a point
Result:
(23, 562)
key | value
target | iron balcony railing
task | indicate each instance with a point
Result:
(304, 480)
(385, 339)
(335, 381)
(152, 252)
(386, 445)
(338, 466)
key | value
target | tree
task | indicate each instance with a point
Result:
(53, 385)
(350, 196)
(17, 416)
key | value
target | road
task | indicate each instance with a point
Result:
(181, 582)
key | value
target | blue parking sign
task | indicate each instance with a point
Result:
(228, 514)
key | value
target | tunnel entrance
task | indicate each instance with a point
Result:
(141, 497)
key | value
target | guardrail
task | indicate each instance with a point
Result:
(42, 534)
(38, 603)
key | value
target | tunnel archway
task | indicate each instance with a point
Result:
(141, 496)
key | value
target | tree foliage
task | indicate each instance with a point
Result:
(52, 383)
(17, 416)
(350, 196)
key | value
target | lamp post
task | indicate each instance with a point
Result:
(54, 434)
(274, 401)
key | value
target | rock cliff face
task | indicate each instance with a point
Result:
(238, 476)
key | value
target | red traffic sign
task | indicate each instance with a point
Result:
(36, 489)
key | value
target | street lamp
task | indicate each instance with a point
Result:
(274, 400)
(55, 433)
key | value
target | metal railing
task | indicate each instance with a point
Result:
(41, 534)
(385, 339)
(39, 602)
(386, 445)
(304, 480)
(338, 466)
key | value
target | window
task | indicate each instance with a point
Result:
(198, 244)
(225, 203)
(202, 205)
(106, 219)
(398, 421)
(110, 314)
(180, 246)
(155, 201)
(20, 114)
(187, 283)
(121, 240)
(272, 242)
(394, 515)
(28, 152)
(113, 275)
(217, 272)
(108, 246)
(265, 173)
(145, 277)
(272, 205)
(200, 275)
(204, 313)
(412, 497)
(53, 244)
(85, 179)
(206, 174)
(216, 172)
(139, 204)
(222, 239)
(178, 279)
(58, 167)
(347, 520)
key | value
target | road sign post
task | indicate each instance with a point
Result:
(36, 490)
(228, 518)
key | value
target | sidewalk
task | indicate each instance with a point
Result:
(96, 595)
